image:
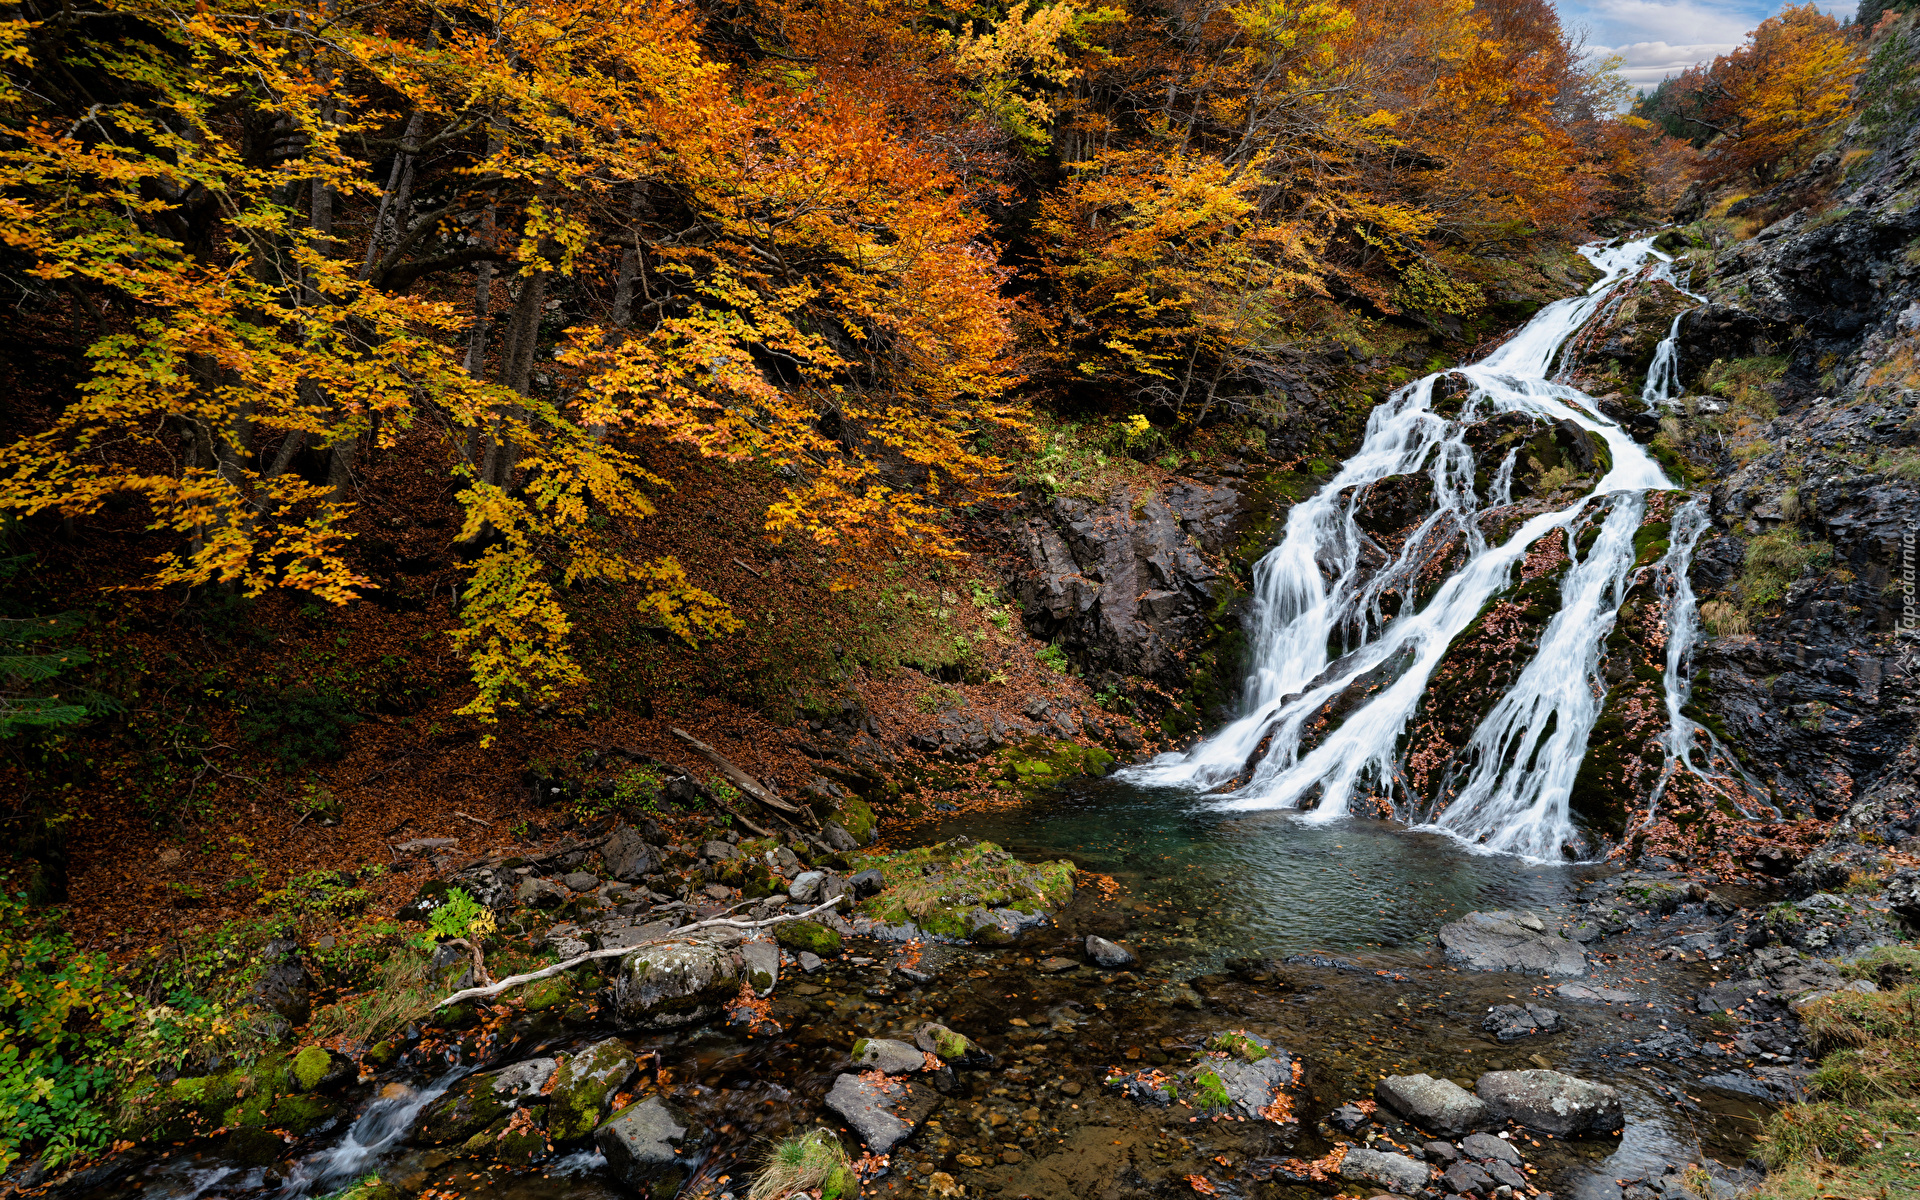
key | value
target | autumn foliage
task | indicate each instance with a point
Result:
(846, 244)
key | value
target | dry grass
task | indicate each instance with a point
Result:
(1723, 619)
(403, 992)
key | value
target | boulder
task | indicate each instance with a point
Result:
(1245, 1076)
(807, 936)
(1551, 1102)
(649, 1145)
(285, 985)
(1903, 895)
(1000, 926)
(887, 1056)
(869, 882)
(1110, 955)
(674, 984)
(1399, 1174)
(1508, 941)
(1437, 1105)
(478, 1101)
(805, 888)
(584, 1085)
(836, 835)
(1467, 1179)
(761, 962)
(868, 1110)
(581, 881)
(718, 851)
(810, 962)
(628, 856)
(1511, 1022)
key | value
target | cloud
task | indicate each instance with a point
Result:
(1647, 63)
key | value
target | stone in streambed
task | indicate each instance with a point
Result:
(805, 888)
(1246, 1076)
(1108, 955)
(954, 1049)
(810, 962)
(1398, 1173)
(1438, 1105)
(871, 1110)
(1583, 994)
(1467, 1178)
(1482, 1145)
(649, 1144)
(584, 1085)
(887, 1056)
(1509, 941)
(1550, 1101)
(1511, 1022)
(807, 935)
(679, 983)
(761, 962)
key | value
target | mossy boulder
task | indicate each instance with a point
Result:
(316, 1068)
(479, 1101)
(950, 1046)
(953, 888)
(842, 1184)
(516, 1140)
(1037, 764)
(555, 991)
(807, 935)
(584, 1086)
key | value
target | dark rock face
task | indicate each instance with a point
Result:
(285, 984)
(1511, 1022)
(1126, 587)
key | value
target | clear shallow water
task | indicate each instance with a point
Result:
(1266, 883)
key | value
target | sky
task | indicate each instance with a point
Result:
(1658, 39)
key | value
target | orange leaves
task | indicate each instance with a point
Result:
(1772, 98)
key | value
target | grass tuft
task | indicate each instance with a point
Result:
(799, 1164)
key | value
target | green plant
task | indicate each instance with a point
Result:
(802, 1164)
(458, 916)
(639, 788)
(938, 698)
(62, 1012)
(1053, 658)
(1774, 561)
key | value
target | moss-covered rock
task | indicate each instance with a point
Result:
(842, 1184)
(856, 817)
(555, 991)
(807, 935)
(1037, 764)
(675, 984)
(479, 1101)
(1242, 1046)
(950, 1046)
(584, 1086)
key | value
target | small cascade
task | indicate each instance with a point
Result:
(1332, 626)
(1691, 746)
(377, 1130)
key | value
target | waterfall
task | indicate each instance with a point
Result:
(1323, 615)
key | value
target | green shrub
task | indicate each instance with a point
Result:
(62, 1013)
(1053, 658)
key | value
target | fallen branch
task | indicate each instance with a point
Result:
(471, 817)
(513, 981)
(745, 782)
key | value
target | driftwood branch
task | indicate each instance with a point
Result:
(745, 782)
(514, 981)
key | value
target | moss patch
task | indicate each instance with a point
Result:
(807, 935)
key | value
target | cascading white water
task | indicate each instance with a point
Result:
(1313, 592)
(377, 1130)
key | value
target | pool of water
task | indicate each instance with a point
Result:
(1224, 884)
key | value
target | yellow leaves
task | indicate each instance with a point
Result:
(1031, 43)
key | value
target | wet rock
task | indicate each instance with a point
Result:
(675, 984)
(954, 1049)
(1443, 1153)
(1438, 1105)
(1109, 955)
(1397, 1173)
(1347, 1118)
(1594, 995)
(628, 857)
(760, 960)
(1550, 1101)
(1511, 1022)
(1509, 941)
(1000, 926)
(880, 1113)
(1485, 1145)
(1729, 995)
(1246, 1076)
(476, 1102)
(887, 1056)
(584, 1085)
(651, 1145)
(1467, 1178)
(809, 962)
(1056, 966)
(514, 1140)
(869, 882)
